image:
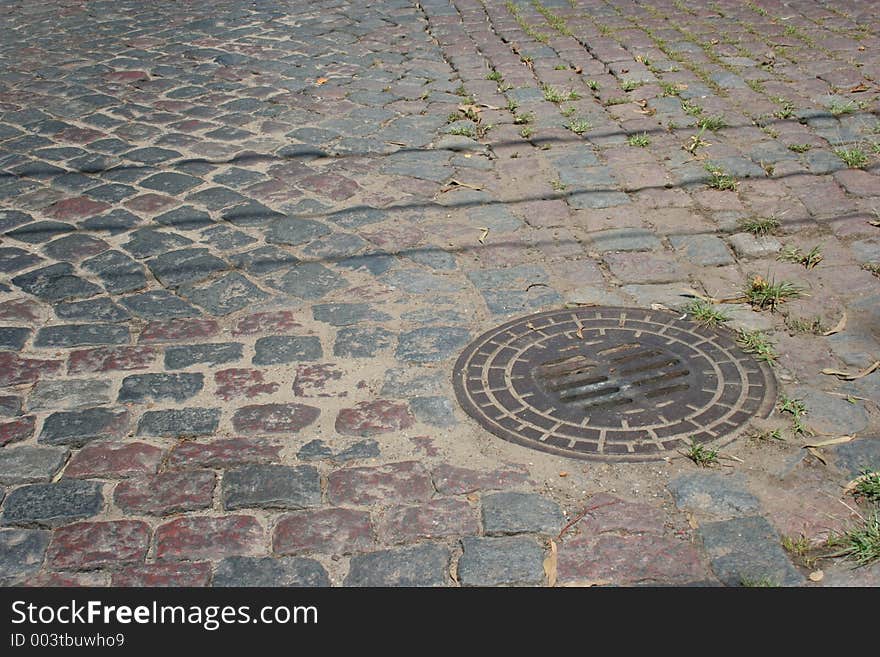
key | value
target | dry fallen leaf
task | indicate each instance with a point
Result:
(876, 224)
(563, 474)
(321, 81)
(580, 332)
(832, 441)
(837, 327)
(659, 306)
(816, 576)
(815, 452)
(483, 235)
(578, 69)
(849, 376)
(550, 564)
(859, 87)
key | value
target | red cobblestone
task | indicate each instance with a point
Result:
(198, 538)
(17, 430)
(172, 330)
(166, 493)
(150, 203)
(223, 453)
(371, 418)
(453, 480)
(76, 208)
(87, 545)
(274, 418)
(15, 370)
(106, 359)
(238, 382)
(19, 310)
(114, 460)
(407, 481)
(435, 519)
(328, 531)
(271, 322)
(182, 573)
(312, 380)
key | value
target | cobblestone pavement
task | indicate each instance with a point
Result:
(243, 245)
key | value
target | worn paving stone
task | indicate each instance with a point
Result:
(239, 382)
(171, 574)
(179, 423)
(75, 247)
(140, 388)
(171, 183)
(274, 418)
(225, 295)
(287, 349)
(178, 330)
(264, 260)
(271, 486)
(431, 344)
(194, 538)
(105, 359)
(434, 519)
(114, 460)
(13, 259)
(177, 268)
(13, 338)
(436, 411)
(29, 464)
(407, 481)
(347, 314)
(320, 380)
(213, 354)
(270, 571)
(746, 245)
(166, 493)
(158, 304)
(334, 531)
(17, 430)
(90, 545)
(101, 310)
(746, 550)
(147, 242)
(81, 335)
(21, 554)
(628, 560)
(827, 414)
(411, 382)
(714, 493)
(422, 565)
(55, 283)
(705, 250)
(371, 418)
(517, 513)
(40, 231)
(858, 456)
(454, 480)
(223, 453)
(504, 561)
(10, 406)
(76, 428)
(52, 504)
(294, 231)
(363, 449)
(625, 239)
(308, 280)
(362, 342)
(314, 450)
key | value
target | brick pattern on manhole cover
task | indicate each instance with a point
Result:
(611, 383)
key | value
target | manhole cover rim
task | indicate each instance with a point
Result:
(587, 313)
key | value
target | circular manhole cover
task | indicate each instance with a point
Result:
(611, 383)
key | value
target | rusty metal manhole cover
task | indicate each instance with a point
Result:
(611, 383)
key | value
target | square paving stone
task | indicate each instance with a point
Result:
(13, 338)
(748, 550)
(115, 222)
(185, 218)
(287, 349)
(140, 388)
(421, 565)
(56, 283)
(74, 247)
(710, 492)
(179, 423)
(270, 572)
(28, 464)
(76, 428)
(101, 309)
(13, 259)
(185, 266)
(308, 280)
(362, 342)
(213, 354)
(225, 295)
(81, 335)
(118, 272)
(518, 513)
(68, 393)
(706, 250)
(171, 183)
(250, 213)
(271, 486)
(504, 561)
(294, 231)
(159, 304)
(263, 260)
(52, 505)
(147, 242)
(40, 231)
(431, 344)
(21, 554)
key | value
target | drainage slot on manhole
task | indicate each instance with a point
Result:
(611, 383)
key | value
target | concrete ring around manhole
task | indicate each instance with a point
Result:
(611, 383)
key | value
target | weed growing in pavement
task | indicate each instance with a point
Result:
(579, 126)
(705, 313)
(641, 141)
(794, 254)
(868, 487)
(800, 148)
(860, 544)
(720, 179)
(853, 157)
(712, 123)
(701, 455)
(758, 344)
(762, 293)
(759, 226)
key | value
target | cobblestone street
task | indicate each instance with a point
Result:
(242, 245)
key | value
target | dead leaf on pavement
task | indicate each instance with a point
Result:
(837, 327)
(550, 564)
(850, 376)
(321, 81)
(815, 452)
(864, 86)
(816, 576)
(832, 441)
(483, 235)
